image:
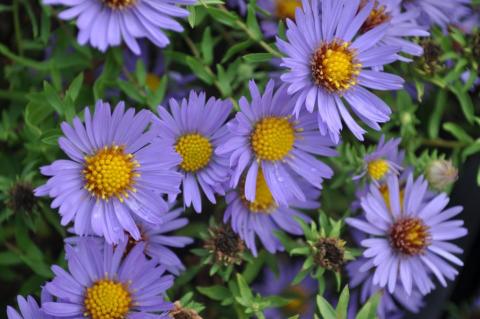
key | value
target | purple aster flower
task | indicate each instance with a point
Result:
(262, 216)
(106, 283)
(401, 24)
(437, 12)
(279, 10)
(391, 304)
(105, 23)
(196, 128)
(157, 240)
(409, 236)
(386, 159)
(29, 309)
(302, 295)
(267, 138)
(114, 174)
(328, 65)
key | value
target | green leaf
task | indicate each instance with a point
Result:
(207, 46)
(236, 49)
(252, 23)
(342, 305)
(131, 91)
(436, 116)
(243, 287)
(199, 70)
(75, 87)
(465, 101)
(224, 17)
(326, 310)
(51, 136)
(369, 310)
(53, 98)
(215, 292)
(258, 57)
(192, 15)
(458, 132)
(8, 258)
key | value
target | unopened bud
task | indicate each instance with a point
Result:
(441, 173)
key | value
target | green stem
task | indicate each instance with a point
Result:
(438, 142)
(16, 25)
(42, 66)
(14, 96)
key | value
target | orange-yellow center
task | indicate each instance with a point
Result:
(386, 195)
(409, 236)
(107, 299)
(273, 138)
(334, 66)
(286, 8)
(377, 16)
(377, 169)
(195, 150)
(110, 173)
(119, 4)
(298, 303)
(264, 202)
(152, 81)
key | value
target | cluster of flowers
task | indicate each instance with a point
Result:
(126, 169)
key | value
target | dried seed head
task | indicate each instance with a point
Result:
(330, 253)
(21, 198)
(178, 312)
(225, 245)
(441, 173)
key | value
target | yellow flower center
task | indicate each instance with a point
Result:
(110, 172)
(377, 16)
(264, 202)
(298, 303)
(334, 66)
(286, 8)
(377, 169)
(152, 81)
(273, 138)
(386, 196)
(195, 150)
(409, 236)
(107, 299)
(119, 4)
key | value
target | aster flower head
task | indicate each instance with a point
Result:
(401, 24)
(390, 304)
(29, 308)
(434, 12)
(157, 240)
(301, 296)
(271, 146)
(104, 282)
(262, 216)
(328, 65)
(115, 173)
(105, 23)
(409, 236)
(280, 10)
(386, 159)
(196, 128)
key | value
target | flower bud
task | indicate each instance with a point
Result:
(441, 173)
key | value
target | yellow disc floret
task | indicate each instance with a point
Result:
(377, 169)
(286, 8)
(119, 4)
(409, 236)
(195, 150)
(334, 66)
(273, 138)
(110, 173)
(152, 81)
(386, 196)
(264, 202)
(107, 299)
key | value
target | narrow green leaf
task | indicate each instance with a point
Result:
(342, 305)
(326, 310)
(258, 57)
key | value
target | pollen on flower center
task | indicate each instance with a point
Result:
(409, 236)
(334, 66)
(107, 299)
(110, 173)
(286, 8)
(195, 150)
(264, 202)
(377, 16)
(377, 169)
(119, 4)
(273, 138)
